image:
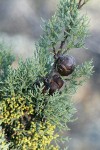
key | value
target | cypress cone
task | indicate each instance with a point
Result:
(53, 84)
(65, 65)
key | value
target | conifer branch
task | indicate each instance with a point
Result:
(63, 42)
(36, 97)
(80, 5)
(54, 51)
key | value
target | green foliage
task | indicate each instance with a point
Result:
(75, 25)
(67, 19)
(26, 110)
(60, 107)
(6, 59)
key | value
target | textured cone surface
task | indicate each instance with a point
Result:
(65, 65)
(53, 84)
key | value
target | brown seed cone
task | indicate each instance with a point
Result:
(58, 80)
(65, 65)
(54, 83)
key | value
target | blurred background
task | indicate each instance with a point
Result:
(20, 26)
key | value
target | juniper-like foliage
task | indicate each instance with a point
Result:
(6, 59)
(26, 110)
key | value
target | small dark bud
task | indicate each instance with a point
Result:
(65, 65)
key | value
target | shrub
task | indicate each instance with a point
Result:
(36, 98)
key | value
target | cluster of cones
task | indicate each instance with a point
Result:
(64, 65)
